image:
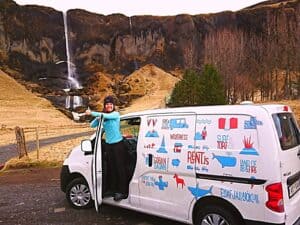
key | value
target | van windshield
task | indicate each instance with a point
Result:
(287, 130)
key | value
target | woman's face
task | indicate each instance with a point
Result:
(109, 107)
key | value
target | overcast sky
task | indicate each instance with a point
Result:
(145, 7)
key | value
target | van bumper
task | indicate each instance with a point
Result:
(65, 177)
(251, 222)
(297, 222)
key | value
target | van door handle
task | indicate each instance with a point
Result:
(150, 158)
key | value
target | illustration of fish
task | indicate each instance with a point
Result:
(198, 192)
(225, 161)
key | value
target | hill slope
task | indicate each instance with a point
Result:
(152, 84)
(19, 107)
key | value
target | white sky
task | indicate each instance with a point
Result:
(145, 7)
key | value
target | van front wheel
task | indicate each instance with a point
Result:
(216, 215)
(78, 194)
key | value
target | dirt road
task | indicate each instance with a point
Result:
(30, 197)
(9, 151)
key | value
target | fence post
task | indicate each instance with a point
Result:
(21, 144)
(37, 143)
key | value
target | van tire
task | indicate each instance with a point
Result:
(78, 194)
(216, 215)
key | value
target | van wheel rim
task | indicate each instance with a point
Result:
(80, 195)
(214, 219)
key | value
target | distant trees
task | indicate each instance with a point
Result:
(199, 89)
(213, 92)
(258, 64)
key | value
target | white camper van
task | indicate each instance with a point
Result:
(210, 165)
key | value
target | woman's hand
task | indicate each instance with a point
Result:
(88, 112)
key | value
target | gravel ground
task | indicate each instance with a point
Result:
(33, 197)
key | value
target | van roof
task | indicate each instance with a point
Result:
(217, 109)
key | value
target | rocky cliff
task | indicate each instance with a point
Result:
(257, 40)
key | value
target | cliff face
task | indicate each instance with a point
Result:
(32, 39)
(121, 44)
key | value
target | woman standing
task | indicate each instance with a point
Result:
(115, 147)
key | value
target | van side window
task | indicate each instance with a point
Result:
(130, 128)
(287, 130)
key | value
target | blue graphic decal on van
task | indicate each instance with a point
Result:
(252, 123)
(175, 162)
(198, 192)
(243, 196)
(248, 150)
(152, 133)
(189, 167)
(202, 135)
(203, 121)
(193, 147)
(248, 166)
(178, 123)
(204, 169)
(225, 161)
(162, 148)
(161, 184)
(205, 147)
(148, 181)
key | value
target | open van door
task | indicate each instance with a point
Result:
(97, 172)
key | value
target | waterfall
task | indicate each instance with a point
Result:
(77, 101)
(72, 81)
(68, 102)
(72, 102)
(131, 33)
(130, 25)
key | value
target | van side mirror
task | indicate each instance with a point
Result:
(86, 146)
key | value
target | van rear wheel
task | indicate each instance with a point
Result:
(78, 194)
(217, 215)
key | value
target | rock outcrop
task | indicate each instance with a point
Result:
(32, 41)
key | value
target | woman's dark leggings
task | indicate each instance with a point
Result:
(117, 167)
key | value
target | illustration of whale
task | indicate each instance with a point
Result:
(228, 161)
(198, 192)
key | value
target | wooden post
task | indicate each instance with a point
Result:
(37, 143)
(21, 144)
